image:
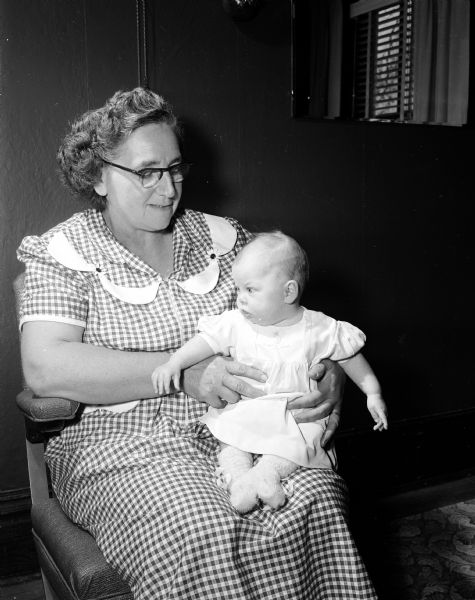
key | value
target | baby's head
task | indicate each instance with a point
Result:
(270, 274)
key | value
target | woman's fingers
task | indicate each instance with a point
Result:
(232, 379)
(217, 382)
(227, 395)
(332, 425)
(312, 399)
(233, 367)
(330, 408)
(305, 408)
(230, 388)
(318, 370)
(325, 401)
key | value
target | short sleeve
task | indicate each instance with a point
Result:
(51, 292)
(348, 341)
(219, 331)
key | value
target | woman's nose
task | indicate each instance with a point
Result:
(166, 186)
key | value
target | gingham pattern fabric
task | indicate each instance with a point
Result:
(143, 482)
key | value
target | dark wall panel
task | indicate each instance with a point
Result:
(57, 59)
(383, 210)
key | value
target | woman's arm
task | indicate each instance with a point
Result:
(57, 363)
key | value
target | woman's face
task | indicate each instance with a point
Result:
(130, 207)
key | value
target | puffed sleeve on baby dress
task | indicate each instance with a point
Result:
(347, 341)
(329, 338)
(220, 331)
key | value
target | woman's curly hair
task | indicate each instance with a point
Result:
(96, 134)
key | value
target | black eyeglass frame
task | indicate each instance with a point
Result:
(159, 170)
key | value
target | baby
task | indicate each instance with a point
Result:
(272, 331)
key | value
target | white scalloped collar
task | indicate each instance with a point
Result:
(223, 237)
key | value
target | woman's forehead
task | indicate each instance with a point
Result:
(150, 144)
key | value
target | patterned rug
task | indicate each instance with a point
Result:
(431, 556)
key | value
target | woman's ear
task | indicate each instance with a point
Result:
(291, 291)
(100, 187)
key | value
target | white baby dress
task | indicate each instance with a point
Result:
(264, 425)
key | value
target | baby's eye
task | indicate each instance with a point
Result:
(249, 290)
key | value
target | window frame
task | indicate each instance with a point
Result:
(301, 86)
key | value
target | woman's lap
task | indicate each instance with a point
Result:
(154, 507)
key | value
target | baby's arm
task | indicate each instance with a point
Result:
(360, 371)
(189, 354)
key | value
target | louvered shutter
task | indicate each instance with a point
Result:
(383, 78)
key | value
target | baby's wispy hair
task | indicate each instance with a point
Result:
(288, 253)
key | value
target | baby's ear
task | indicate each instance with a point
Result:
(291, 291)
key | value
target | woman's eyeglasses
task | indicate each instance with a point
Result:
(150, 177)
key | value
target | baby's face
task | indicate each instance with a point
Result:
(260, 289)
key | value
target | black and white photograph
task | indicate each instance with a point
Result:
(237, 300)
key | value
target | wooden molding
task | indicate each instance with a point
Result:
(14, 501)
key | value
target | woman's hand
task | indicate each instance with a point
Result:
(326, 401)
(217, 382)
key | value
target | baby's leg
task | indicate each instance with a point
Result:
(235, 464)
(267, 474)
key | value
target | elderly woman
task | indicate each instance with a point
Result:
(109, 294)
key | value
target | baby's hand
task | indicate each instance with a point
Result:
(378, 409)
(163, 376)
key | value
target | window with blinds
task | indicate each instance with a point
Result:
(383, 72)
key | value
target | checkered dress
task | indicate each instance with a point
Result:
(142, 481)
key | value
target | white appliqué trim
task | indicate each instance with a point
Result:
(203, 282)
(62, 251)
(223, 236)
(53, 318)
(132, 295)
